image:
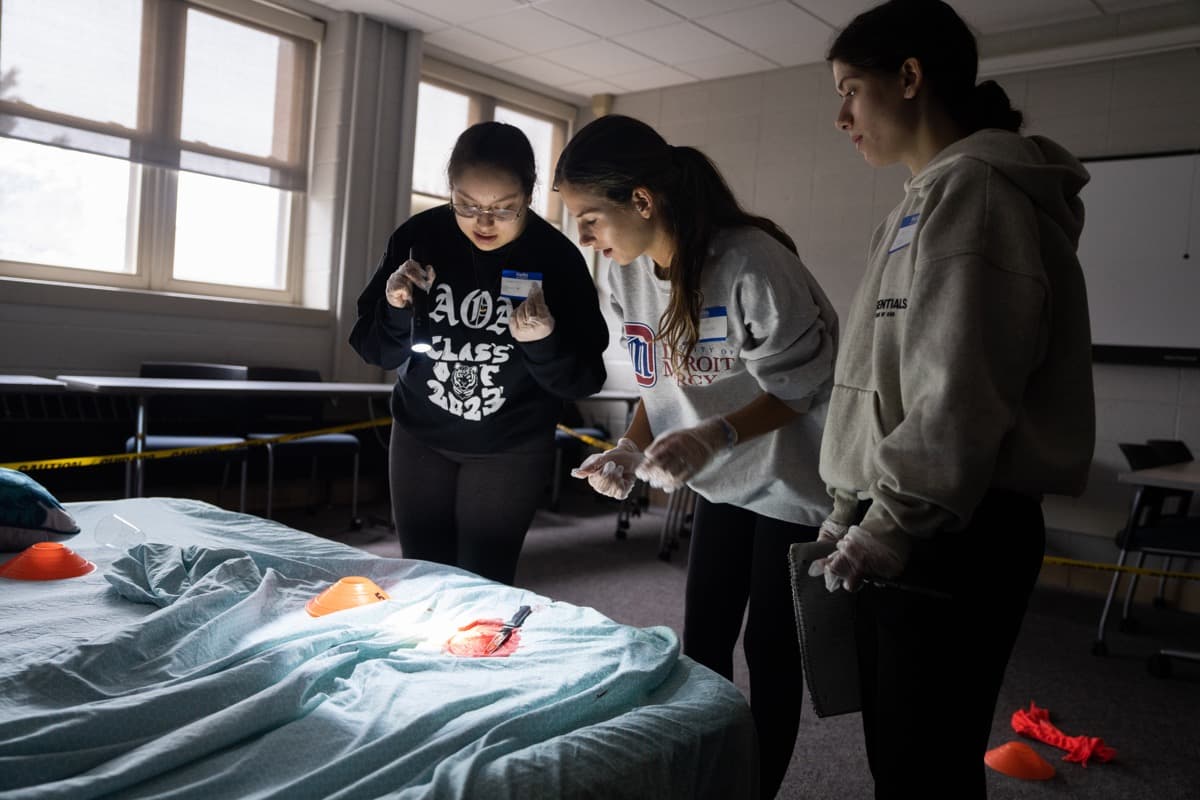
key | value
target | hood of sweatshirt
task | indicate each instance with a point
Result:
(1039, 167)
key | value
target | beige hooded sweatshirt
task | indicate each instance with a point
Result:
(966, 359)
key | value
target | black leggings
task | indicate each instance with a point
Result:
(931, 669)
(464, 509)
(737, 555)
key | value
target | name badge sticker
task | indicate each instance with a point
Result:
(714, 324)
(518, 285)
(904, 236)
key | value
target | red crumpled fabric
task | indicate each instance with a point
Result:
(1035, 723)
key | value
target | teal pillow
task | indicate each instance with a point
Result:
(28, 513)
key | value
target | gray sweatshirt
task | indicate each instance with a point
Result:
(766, 327)
(966, 361)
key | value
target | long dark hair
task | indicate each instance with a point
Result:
(496, 145)
(614, 155)
(882, 38)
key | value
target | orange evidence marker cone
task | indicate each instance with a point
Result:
(1019, 760)
(46, 561)
(347, 593)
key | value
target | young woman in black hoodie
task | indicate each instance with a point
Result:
(514, 329)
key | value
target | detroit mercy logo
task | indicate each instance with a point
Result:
(640, 341)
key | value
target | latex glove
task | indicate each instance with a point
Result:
(532, 319)
(674, 458)
(611, 473)
(861, 554)
(830, 532)
(400, 283)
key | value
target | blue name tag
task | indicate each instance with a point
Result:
(518, 285)
(714, 324)
(904, 236)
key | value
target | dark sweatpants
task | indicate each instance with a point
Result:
(931, 669)
(735, 556)
(463, 509)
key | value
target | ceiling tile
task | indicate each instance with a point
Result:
(727, 65)
(838, 13)
(542, 70)
(458, 11)
(791, 54)
(988, 16)
(774, 23)
(468, 43)
(396, 14)
(529, 30)
(610, 18)
(593, 86)
(693, 9)
(673, 44)
(652, 78)
(600, 59)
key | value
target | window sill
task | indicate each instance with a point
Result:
(25, 292)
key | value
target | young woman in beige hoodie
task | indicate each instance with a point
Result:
(962, 392)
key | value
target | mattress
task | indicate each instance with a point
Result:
(186, 666)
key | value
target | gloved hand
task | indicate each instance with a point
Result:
(612, 473)
(861, 553)
(830, 532)
(400, 283)
(673, 458)
(532, 319)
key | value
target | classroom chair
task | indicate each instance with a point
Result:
(1158, 525)
(175, 421)
(274, 415)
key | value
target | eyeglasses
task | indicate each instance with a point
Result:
(498, 214)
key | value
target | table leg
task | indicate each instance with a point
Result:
(139, 441)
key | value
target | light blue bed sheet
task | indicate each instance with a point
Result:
(187, 667)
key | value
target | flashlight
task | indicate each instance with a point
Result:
(420, 337)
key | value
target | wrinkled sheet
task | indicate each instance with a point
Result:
(186, 666)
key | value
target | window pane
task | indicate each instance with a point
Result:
(230, 232)
(64, 208)
(77, 57)
(441, 116)
(232, 94)
(541, 136)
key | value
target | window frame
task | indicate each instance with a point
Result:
(484, 94)
(154, 184)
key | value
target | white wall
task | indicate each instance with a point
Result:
(772, 134)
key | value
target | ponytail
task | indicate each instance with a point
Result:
(989, 107)
(700, 204)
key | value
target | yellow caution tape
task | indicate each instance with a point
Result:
(120, 458)
(583, 437)
(1149, 573)
(153, 455)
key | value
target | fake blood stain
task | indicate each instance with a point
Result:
(474, 639)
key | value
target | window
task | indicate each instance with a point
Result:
(446, 109)
(154, 144)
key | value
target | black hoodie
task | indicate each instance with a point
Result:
(479, 390)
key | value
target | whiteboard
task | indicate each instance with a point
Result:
(1138, 251)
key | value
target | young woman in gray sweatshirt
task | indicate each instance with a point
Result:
(963, 391)
(732, 344)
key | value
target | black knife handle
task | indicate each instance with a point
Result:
(519, 618)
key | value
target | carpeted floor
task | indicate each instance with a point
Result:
(1153, 723)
